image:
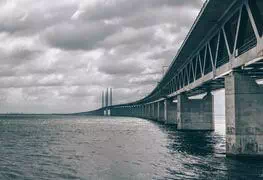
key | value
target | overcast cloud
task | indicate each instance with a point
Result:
(57, 56)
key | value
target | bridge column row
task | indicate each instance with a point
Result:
(187, 114)
(244, 114)
(164, 111)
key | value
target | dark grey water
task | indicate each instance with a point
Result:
(57, 147)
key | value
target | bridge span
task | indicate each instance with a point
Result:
(224, 49)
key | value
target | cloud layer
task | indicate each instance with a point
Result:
(58, 56)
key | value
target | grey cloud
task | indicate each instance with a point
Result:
(79, 92)
(12, 59)
(125, 8)
(102, 34)
(129, 36)
(21, 54)
(7, 71)
(161, 15)
(165, 55)
(70, 36)
(115, 67)
(30, 17)
(145, 80)
(31, 81)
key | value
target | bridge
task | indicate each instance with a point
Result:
(224, 49)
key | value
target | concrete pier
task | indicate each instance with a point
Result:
(161, 111)
(141, 111)
(152, 111)
(149, 111)
(155, 114)
(244, 116)
(170, 112)
(145, 111)
(195, 114)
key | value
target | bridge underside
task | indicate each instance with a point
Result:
(253, 70)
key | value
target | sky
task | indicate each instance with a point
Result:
(58, 56)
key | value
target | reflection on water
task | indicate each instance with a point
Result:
(57, 147)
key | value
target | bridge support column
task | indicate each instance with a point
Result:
(129, 109)
(148, 111)
(152, 111)
(113, 112)
(141, 111)
(144, 111)
(160, 111)
(195, 114)
(170, 112)
(244, 116)
(134, 111)
(155, 111)
(137, 111)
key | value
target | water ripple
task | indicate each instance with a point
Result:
(68, 147)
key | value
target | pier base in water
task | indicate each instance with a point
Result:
(195, 114)
(244, 116)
